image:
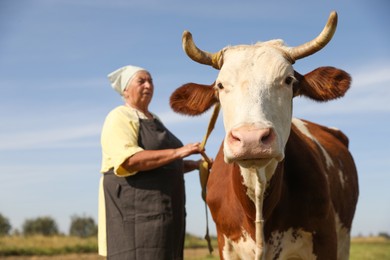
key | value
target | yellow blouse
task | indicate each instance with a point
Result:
(119, 139)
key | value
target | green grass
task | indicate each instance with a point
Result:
(370, 249)
(361, 249)
(196, 242)
(42, 245)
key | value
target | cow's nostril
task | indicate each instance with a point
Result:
(267, 136)
(234, 136)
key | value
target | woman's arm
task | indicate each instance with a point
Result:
(151, 159)
(190, 165)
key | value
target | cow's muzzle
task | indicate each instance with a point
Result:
(251, 143)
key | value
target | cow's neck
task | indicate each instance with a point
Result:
(255, 180)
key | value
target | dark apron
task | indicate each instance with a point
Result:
(145, 213)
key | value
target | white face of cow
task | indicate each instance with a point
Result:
(255, 88)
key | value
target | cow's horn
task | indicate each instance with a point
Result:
(319, 42)
(203, 57)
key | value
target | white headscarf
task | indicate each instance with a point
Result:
(122, 76)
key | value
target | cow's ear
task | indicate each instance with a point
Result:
(193, 99)
(322, 84)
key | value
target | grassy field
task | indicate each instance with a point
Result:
(73, 248)
(45, 246)
(370, 248)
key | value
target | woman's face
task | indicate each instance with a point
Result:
(139, 91)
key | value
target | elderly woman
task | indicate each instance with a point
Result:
(141, 209)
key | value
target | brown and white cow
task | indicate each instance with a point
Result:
(280, 187)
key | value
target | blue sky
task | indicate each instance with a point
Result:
(54, 94)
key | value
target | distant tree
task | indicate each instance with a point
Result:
(42, 225)
(384, 234)
(82, 227)
(5, 226)
(16, 232)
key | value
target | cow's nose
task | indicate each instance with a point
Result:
(251, 137)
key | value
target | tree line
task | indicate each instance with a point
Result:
(81, 226)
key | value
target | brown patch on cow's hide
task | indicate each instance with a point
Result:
(192, 99)
(323, 84)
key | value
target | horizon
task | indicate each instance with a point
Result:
(55, 57)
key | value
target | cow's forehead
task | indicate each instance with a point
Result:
(265, 60)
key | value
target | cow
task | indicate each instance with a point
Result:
(279, 187)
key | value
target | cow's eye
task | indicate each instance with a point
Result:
(288, 80)
(220, 86)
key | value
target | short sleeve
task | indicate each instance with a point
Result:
(119, 140)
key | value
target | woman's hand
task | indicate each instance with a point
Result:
(188, 149)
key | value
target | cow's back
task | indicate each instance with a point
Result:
(322, 152)
(327, 148)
